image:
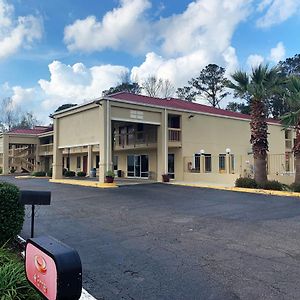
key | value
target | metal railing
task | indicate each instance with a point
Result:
(174, 134)
(46, 149)
(134, 139)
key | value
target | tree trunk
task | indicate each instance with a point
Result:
(259, 140)
(260, 169)
(296, 151)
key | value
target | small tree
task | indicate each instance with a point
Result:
(258, 86)
(158, 87)
(292, 119)
(12, 212)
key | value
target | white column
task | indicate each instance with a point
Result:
(57, 153)
(162, 146)
(104, 140)
(90, 159)
(5, 154)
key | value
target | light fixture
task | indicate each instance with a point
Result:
(191, 116)
(228, 150)
(202, 151)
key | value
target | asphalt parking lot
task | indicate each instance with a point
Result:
(160, 241)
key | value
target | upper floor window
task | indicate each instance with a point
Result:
(173, 121)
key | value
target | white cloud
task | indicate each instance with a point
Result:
(16, 32)
(254, 60)
(189, 41)
(276, 11)
(124, 27)
(278, 53)
(77, 83)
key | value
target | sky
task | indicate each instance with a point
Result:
(56, 52)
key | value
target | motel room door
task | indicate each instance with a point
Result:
(84, 164)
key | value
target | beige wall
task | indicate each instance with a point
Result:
(79, 129)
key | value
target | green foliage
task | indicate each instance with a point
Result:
(39, 174)
(1, 170)
(110, 174)
(295, 187)
(13, 282)
(11, 212)
(65, 106)
(81, 174)
(238, 107)
(210, 84)
(12, 170)
(49, 173)
(246, 182)
(70, 174)
(271, 185)
(133, 88)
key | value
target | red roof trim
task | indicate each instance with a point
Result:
(179, 104)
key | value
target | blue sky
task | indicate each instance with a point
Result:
(53, 52)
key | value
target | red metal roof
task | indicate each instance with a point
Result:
(34, 131)
(181, 105)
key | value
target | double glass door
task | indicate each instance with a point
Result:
(138, 166)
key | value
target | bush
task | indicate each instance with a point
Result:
(272, 185)
(245, 182)
(81, 174)
(13, 282)
(110, 174)
(39, 174)
(12, 170)
(12, 212)
(295, 187)
(70, 174)
(49, 173)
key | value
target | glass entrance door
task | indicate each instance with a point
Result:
(138, 166)
(171, 165)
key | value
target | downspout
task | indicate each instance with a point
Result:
(166, 141)
(107, 133)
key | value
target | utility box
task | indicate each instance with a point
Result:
(53, 269)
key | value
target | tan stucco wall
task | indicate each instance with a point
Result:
(79, 129)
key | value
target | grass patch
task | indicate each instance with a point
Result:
(13, 282)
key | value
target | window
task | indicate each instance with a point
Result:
(222, 163)
(78, 165)
(197, 158)
(115, 162)
(173, 121)
(97, 161)
(231, 163)
(207, 163)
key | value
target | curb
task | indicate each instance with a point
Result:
(85, 183)
(243, 190)
(31, 177)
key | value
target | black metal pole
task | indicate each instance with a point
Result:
(32, 220)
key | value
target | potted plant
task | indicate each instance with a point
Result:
(109, 177)
(166, 177)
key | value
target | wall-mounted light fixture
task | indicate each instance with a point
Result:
(202, 151)
(191, 116)
(228, 150)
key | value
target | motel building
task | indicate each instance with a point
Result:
(143, 138)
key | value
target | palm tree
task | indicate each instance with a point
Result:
(292, 119)
(257, 87)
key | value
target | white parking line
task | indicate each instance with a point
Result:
(84, 294)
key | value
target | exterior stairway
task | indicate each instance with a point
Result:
(21, 159)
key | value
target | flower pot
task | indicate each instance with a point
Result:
(109, 179)
(165, 178)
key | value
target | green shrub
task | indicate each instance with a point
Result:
(39, 174)
(13, 282)
(246, 182)
(11, 212)
(1, 170)
(110, 174)
(81, 174)
(12, 170)
(271, 185)
(70, 173)
(295, 187)
(49, 173)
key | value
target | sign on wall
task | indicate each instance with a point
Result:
(53, 268)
